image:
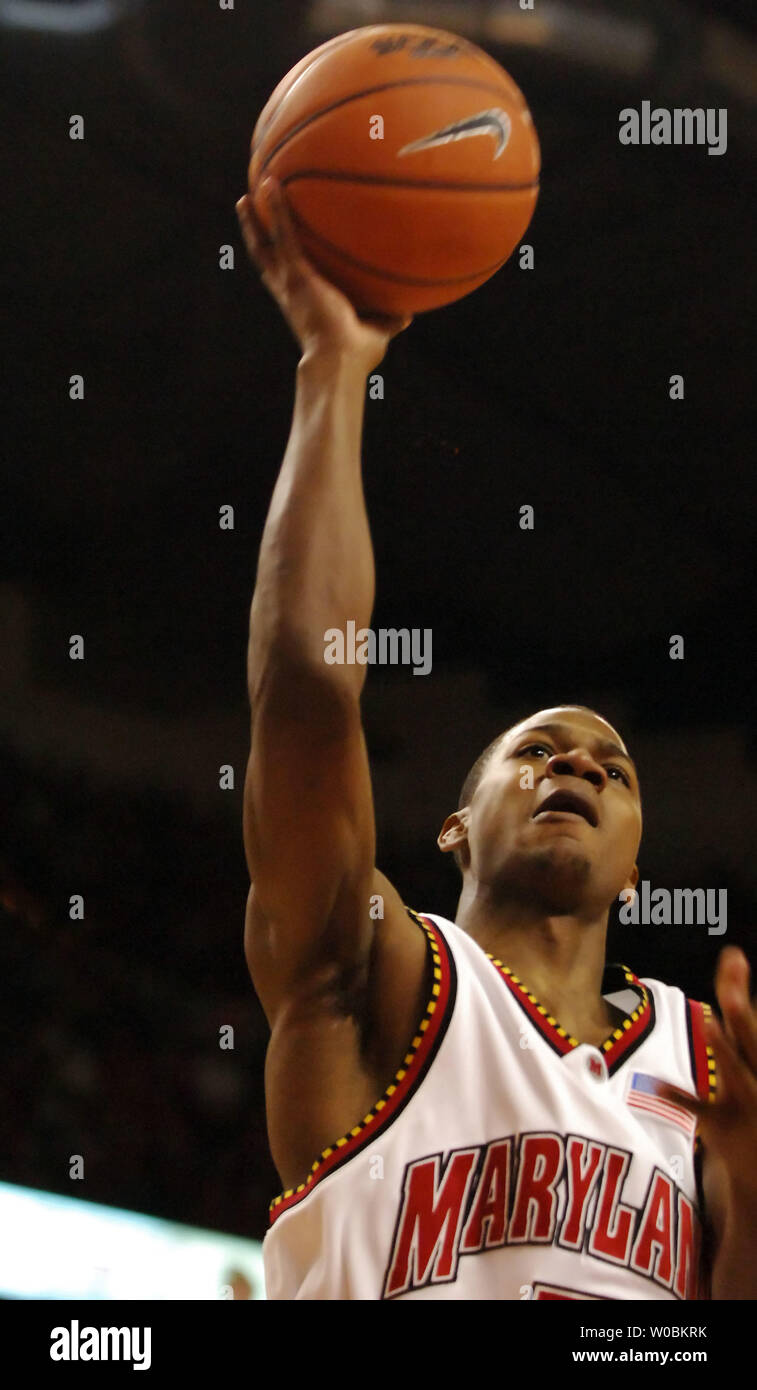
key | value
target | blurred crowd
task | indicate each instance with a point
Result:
(113, 1022)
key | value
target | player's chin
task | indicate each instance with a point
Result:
(560, 875)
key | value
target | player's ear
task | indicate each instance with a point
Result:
(454, 834)
(633, 877)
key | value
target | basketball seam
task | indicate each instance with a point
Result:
(390, 275)
(371, 91)
(331, 45)
(388, 179)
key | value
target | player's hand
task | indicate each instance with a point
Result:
(320, 316)
(728, 1124)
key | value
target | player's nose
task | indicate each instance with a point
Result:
(577, 763)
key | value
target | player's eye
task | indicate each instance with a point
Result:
(539, 747)
(622, 774)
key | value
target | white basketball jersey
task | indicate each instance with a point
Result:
(508, 1160)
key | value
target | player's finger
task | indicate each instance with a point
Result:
(399, 326)
(282, 224)
(260, 250)
(739, 1017)
(247, 227)
(693, 1104)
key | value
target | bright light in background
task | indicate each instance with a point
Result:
(60, 1247)
(64, 16)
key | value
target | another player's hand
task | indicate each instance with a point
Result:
(728, 1124)
(320, 316)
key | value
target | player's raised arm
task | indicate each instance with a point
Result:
(308, 812)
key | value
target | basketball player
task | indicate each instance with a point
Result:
(480, 1109)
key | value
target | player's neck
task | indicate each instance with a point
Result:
(560, 959)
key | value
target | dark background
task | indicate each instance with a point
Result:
(547, 387)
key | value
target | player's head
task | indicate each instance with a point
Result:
(504, 838)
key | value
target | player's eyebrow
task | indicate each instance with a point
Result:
(607, 748)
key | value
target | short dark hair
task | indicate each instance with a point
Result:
(468, 789)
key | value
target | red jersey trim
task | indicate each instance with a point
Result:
(703, 1066)
(702, 1060)
(406, 1081)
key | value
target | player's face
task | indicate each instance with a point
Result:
(556, 818)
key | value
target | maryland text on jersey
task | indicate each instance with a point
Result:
(509, 1192)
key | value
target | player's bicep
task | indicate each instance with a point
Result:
(308, 823)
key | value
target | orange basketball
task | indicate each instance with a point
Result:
(409, 160)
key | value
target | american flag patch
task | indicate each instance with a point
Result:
(643, 1094)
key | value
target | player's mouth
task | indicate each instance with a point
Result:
(569, 804)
